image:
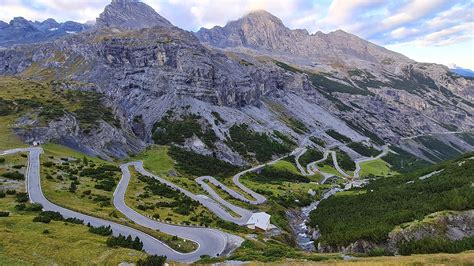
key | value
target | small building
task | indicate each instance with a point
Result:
(259, 220)
(36, 143)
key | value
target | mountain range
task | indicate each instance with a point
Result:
(21, 31)
(462, 71)
(253, 74)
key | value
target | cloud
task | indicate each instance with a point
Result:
(449, 35)
(404, 32)
(341, 11)
(412, 11)
(11, 9)
(460, 53)
(456, 14)
(60, 10)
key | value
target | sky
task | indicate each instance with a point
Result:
(439, 31)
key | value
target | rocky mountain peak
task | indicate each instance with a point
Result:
(130, 14)
(21, 30)
(265, 33)
(19, 22)
(261, 16)
(124, 2)
(48, 24)
(257, 29)
(3, 24)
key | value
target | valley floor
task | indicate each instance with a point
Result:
(6, 255)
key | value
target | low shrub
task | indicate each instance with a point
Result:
(48, 216)
(247, 142)
(42, 219)
(48, 164)
(432, 245)
(125, 242)
(20, 207)
(22, 197)
(14, 175)
(101, 230)
(377, 252)
(271, 174)
(338, 136)
(196, 164)
(74, 221)
(34, 207)
(168, 131)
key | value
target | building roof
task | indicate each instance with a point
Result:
(260, 220)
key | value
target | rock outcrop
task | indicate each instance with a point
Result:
(447, 225)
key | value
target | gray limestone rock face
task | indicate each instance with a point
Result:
(267, 34)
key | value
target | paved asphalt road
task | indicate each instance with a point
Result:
(244, 213)
(201, 181)
(211, 242)
(385, 150)
(304, 171)
(336, 165)
(259, 199)
(207, 202)
(217, 204)
(312, 167)
(436, 133)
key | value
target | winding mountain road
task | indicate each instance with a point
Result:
(259, 199)
(436, 133)
(312, 167)
(385, 150)
(206, 201)
(211, 242)
(305, 172)
(215, 203)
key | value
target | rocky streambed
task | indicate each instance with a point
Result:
(304, 234)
